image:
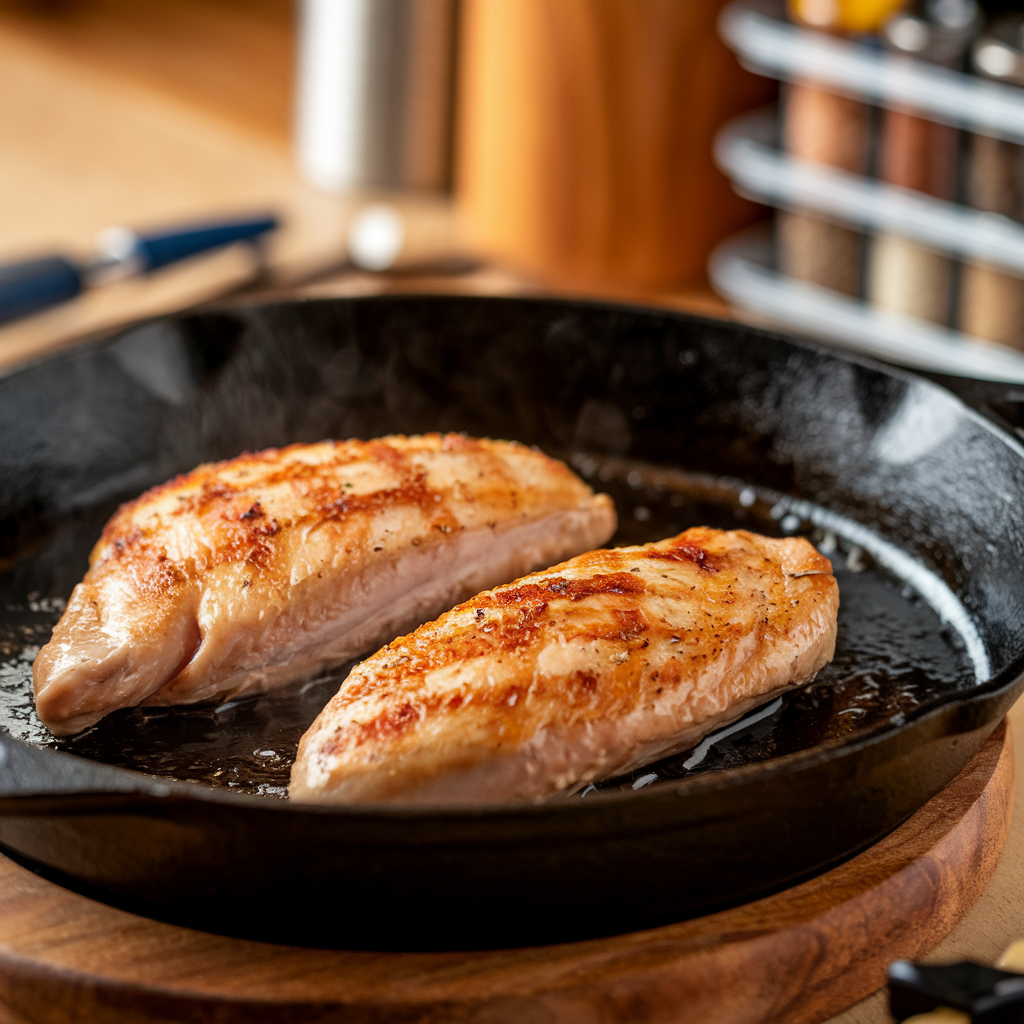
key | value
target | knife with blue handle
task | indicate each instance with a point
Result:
(34, 285)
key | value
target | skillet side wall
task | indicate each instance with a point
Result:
(86, 430)
(443, 881)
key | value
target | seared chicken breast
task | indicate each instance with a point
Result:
(574, 674)
(248, 574)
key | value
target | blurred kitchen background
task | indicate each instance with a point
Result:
(846, 169)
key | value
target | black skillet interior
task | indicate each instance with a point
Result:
(916, 498)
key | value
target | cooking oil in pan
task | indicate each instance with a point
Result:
(894, 654)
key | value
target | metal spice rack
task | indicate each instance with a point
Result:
(743, 268)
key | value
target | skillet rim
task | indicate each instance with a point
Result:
(146, 788)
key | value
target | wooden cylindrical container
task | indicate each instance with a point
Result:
(584, 138)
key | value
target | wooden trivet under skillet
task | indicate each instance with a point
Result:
(798, 956)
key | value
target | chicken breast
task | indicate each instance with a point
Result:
(248, 574)
(578, 673)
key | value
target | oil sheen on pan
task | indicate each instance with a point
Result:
(894, 654)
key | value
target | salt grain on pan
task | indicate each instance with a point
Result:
(585, 464)
(645, 780)
(855, 560)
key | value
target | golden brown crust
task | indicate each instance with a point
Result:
(228, 499)
(201, 586)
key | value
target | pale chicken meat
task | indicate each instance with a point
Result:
(574, 674)
(248, 574)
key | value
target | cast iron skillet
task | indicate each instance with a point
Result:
(683, 420)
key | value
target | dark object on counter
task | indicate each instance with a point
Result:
(916, 153)
(992, 301)
(986, 994)
(662, 395)
(34, 285)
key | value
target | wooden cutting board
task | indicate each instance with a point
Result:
(797, 956)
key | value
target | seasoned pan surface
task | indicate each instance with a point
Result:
(915, 497)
